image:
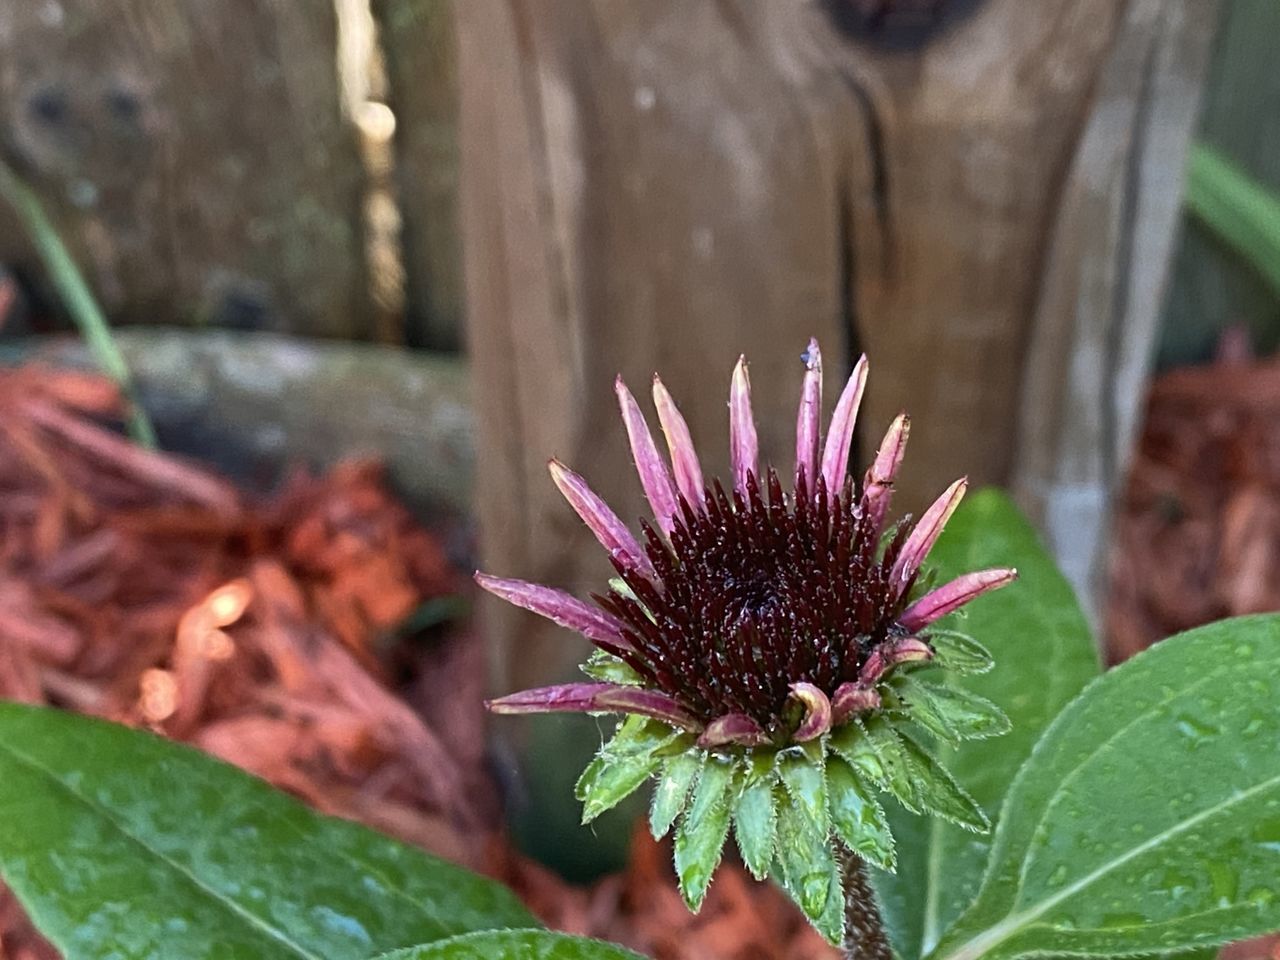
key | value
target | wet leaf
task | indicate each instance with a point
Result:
(755, 817)
(623, 765)
(1148, 818)
(120, 844)
(1044, 655)
(701, 835)
(949, 713)
(672, 792)
(857, 816)
(804, 850)
(894, 762)
(853, 743)
(610, 669)
(959, 652)
(514, 945)
(935, 790)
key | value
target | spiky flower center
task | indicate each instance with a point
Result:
(755, 593)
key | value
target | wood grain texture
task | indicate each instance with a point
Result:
(193, 154)
(1104, 280)
(663, 185)
(419, 50)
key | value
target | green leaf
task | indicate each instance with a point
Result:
(607, 668)
(959, 652)
(623, 765)
(514, 945)
(898, 770)
(1044, 655)
(1148, 818)
(935, 790)
(700, 838)
(672, 792)
(755, 817)
(949, 713)
(853, 743)
(1238, 209)
(857, 817)
(121, 844)
(804, 851)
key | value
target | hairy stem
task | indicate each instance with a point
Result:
(864, 934)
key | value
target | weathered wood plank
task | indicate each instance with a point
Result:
(193, 154)
(419, 48)
(1103, 283)
(660, 185)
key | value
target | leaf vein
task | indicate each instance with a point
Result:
(249, 919)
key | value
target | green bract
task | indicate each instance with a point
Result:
(792, 808)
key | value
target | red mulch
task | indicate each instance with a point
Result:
(146, 589)
(1197, 534)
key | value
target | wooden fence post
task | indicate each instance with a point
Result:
(662, 185)
(194, 155)
(419, 46)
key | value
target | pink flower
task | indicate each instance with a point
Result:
(742, 614)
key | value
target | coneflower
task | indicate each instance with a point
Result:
(768, 646)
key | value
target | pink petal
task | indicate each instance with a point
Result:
(683, 457)
(877, 488)
(927, 531)
(558, 607)
(654, 475)
(938, 603)
(595, 698)
(835, 456)
(817, 717)
(603, 522)
(735, 728)
(851, 699)
(743, 445)
(891, 653)
(809, 418)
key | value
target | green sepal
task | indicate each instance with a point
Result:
(804, 827)
(853, 743)
(935, 790)
(831, 922)
(959, 652)
(895, 765)
(804, 859)
(949, 713)
(755, 816)
(857, 817)
(619, 586)
(703, 829)
(622, 765)
(610, 669)
(672, 791)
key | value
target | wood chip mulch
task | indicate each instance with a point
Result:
(268, 631)
(1197, 533)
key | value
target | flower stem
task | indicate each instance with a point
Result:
(864, 934)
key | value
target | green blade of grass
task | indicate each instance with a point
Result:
(77, 297)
